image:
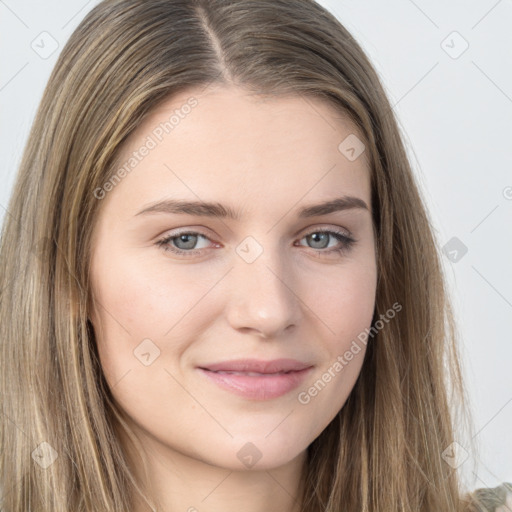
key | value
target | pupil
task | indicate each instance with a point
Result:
(317, 236)
(183, 238)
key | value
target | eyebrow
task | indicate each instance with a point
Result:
(218, 210)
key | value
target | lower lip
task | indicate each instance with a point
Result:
(258, 387)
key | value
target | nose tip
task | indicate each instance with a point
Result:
(264, 301)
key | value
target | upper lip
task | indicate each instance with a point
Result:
(257, 366)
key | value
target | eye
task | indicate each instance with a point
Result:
(184, 243)
(320, 240)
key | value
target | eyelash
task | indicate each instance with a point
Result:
(346, 241)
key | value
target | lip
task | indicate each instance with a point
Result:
(257, 365)
(276, 378)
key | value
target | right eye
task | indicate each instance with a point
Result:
(186, 239)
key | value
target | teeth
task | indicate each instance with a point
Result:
(249, 374)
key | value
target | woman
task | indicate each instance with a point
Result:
(220, 285)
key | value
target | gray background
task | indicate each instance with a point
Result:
(454, 106)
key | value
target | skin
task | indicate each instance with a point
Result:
(268, 158)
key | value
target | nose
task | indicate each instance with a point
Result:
(262, 298)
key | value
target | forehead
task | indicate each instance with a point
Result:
(226, 141)
(229, 107)
(221, 111)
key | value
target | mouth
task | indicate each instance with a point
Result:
(256, 385)
(249, 374)
(257, 366)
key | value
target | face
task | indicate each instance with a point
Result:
(179, 289)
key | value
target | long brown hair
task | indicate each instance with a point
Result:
(385, 450)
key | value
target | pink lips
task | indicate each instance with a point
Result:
(257, 379)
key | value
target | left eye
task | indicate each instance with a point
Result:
(323, 236)
(186, 241)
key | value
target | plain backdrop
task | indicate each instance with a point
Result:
(447, 69)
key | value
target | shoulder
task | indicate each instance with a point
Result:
(493, 499)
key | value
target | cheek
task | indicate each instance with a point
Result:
(345, 302)
(346, 310)
(166, 303)
(145, 300)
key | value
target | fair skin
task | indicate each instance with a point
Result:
(267, 159)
